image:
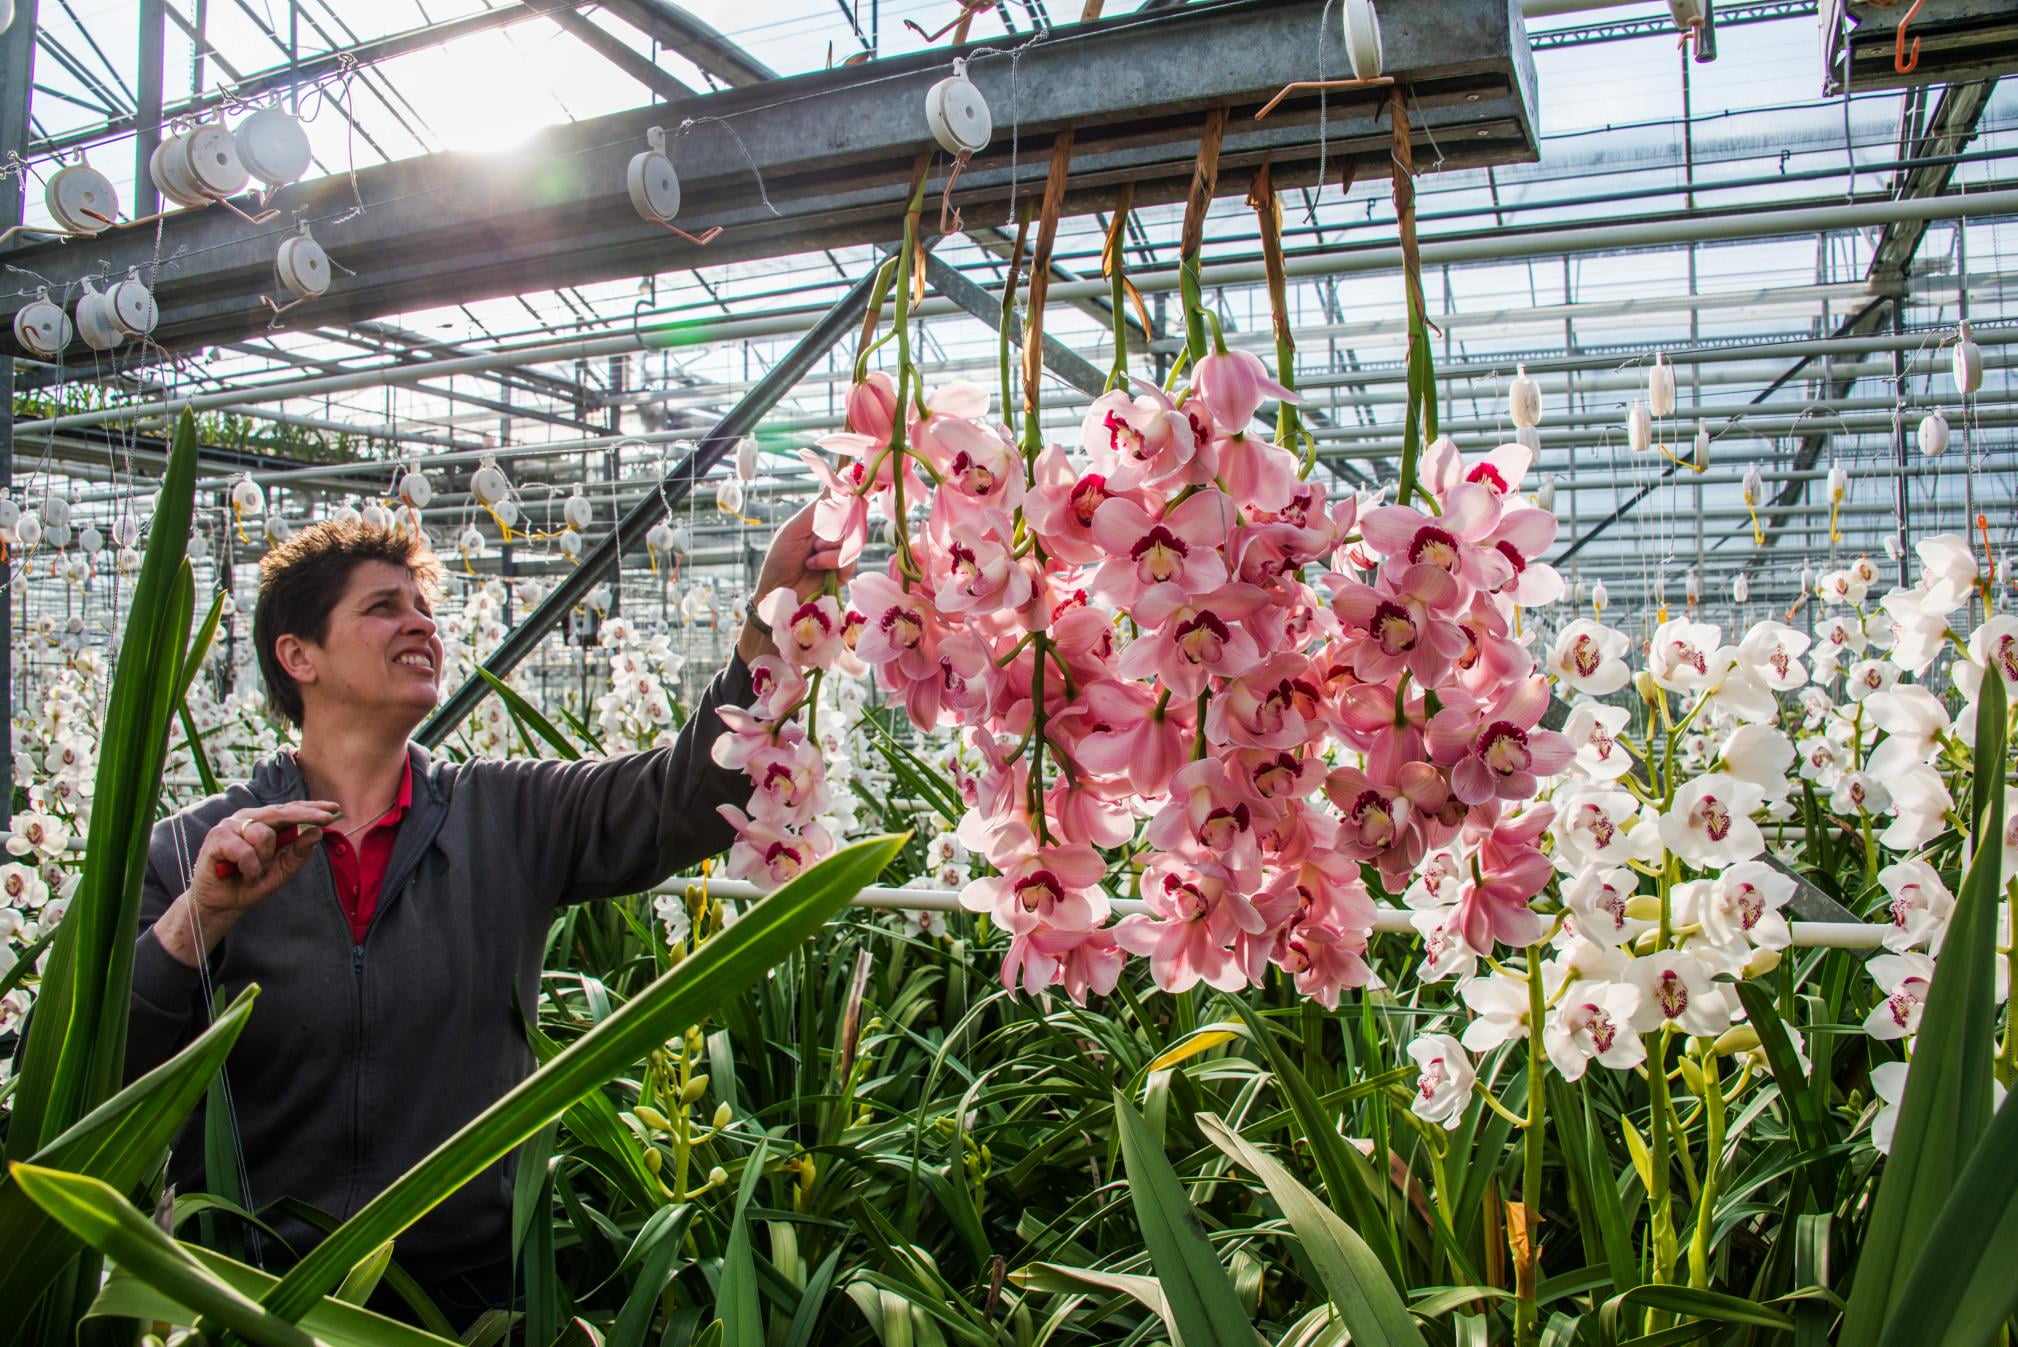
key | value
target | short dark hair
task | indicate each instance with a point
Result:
(301, 580)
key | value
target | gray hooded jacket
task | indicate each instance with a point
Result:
(359, 1058)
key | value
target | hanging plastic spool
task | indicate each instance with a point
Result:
(746, 458)
(414, 489)
(346, 517)
(95, 322)
(76, 570)
(729, 499)
(1741, 589)
(81, 199)
(1891, 547)
(56, 513)
(126, 530)
(1754, 491)
(507, 514)
(1692, 586)
(246, 499)
(1807, 580)
(273, 147)
(1701, 461)
(1934, 434)
(132, 306)
(127, 560)
(1528, 438)
(1600, 598)
(654, 185)
(277, 529)
(570, 544)
(658, 543)
(302, 268)
(213, 159)
(198, 548)
(1661, 388)
(1579, 591)
(90, 541)
(491, 488)
(471, 545)
(598, 599)
(1362, 39)
(577, 512)
(960, 121)
(1640, 428)
(376, 517)
(1839, 491)
(42, 328)
(172, 174)
(1524, 400)
(27, 530)
(1968, 362)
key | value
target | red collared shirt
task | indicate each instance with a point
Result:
(358, 864)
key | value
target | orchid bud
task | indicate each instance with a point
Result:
(1692, 585)
(718, 1177)
(724, 1115)
(652, 1118)
(1644, 907)
(1761, 962)
(1661, 388)
(1738, 1038)
(1692, 1076)
(872, 407)
(694, 1089)
(1934, 434)
(1524, 400)
(1649, 690)
(655, 1159)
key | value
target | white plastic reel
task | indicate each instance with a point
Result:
(42, 328)
(82, 199)
(1362, 39)
(654, 185)
(94, 320)
(273, 147)
(958, 114)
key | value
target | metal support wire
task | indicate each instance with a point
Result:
(709, 450)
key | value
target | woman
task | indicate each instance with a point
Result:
(397, 937)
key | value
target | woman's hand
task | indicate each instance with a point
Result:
(242, 862)
(798, 561)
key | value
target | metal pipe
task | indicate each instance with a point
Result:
(1595, 236)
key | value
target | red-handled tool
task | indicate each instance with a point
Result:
(285, 838)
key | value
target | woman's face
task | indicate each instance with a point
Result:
(380, 658)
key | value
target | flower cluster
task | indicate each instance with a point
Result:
(1188, 678)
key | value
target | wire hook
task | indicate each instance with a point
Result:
(1901, 62)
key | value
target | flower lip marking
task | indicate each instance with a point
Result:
(1088, 496)
(1375, 819)
(1512, 554)
(1125, 439)
(1714, 816)
(1686, 653)
(1504, 748)
(1585, 655)
(1490, 475)
(1222, 826)
(903, 626)
(1039, 892)
(1671, 994)
(1393, 628)
(1435, 546)
(976, 477)
(1158, 555)
(1202, 637)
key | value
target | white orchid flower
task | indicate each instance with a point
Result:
(1677, 988)
(1859, 790)
(1710, 825)
(1592, 728)
(1920, 806)
(1920, 908)
(1773, 651)
(1593, 1022)
(1948, 571)
(1594, 827)
(1760, 754)
(1740, 907)
(1499, 1006)
(1597, 900)
(1905, 980)
(1443, 1087)
(1590, 658)
(1688, 656)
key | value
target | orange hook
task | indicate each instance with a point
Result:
(1901, 62)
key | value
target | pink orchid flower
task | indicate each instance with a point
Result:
(1081, 962)
(1187, 641)
(1180, 547)
(1054, 886)
(1195, 911)
(1207, 815)
(898, 627)
(1498, 750)
(1273, 706)
(807, 631)
(1132, 737)
(1257, 475)
(768, 854)
(1398, 631)
(841, 514)
(1453, 542)
(1523, 535)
